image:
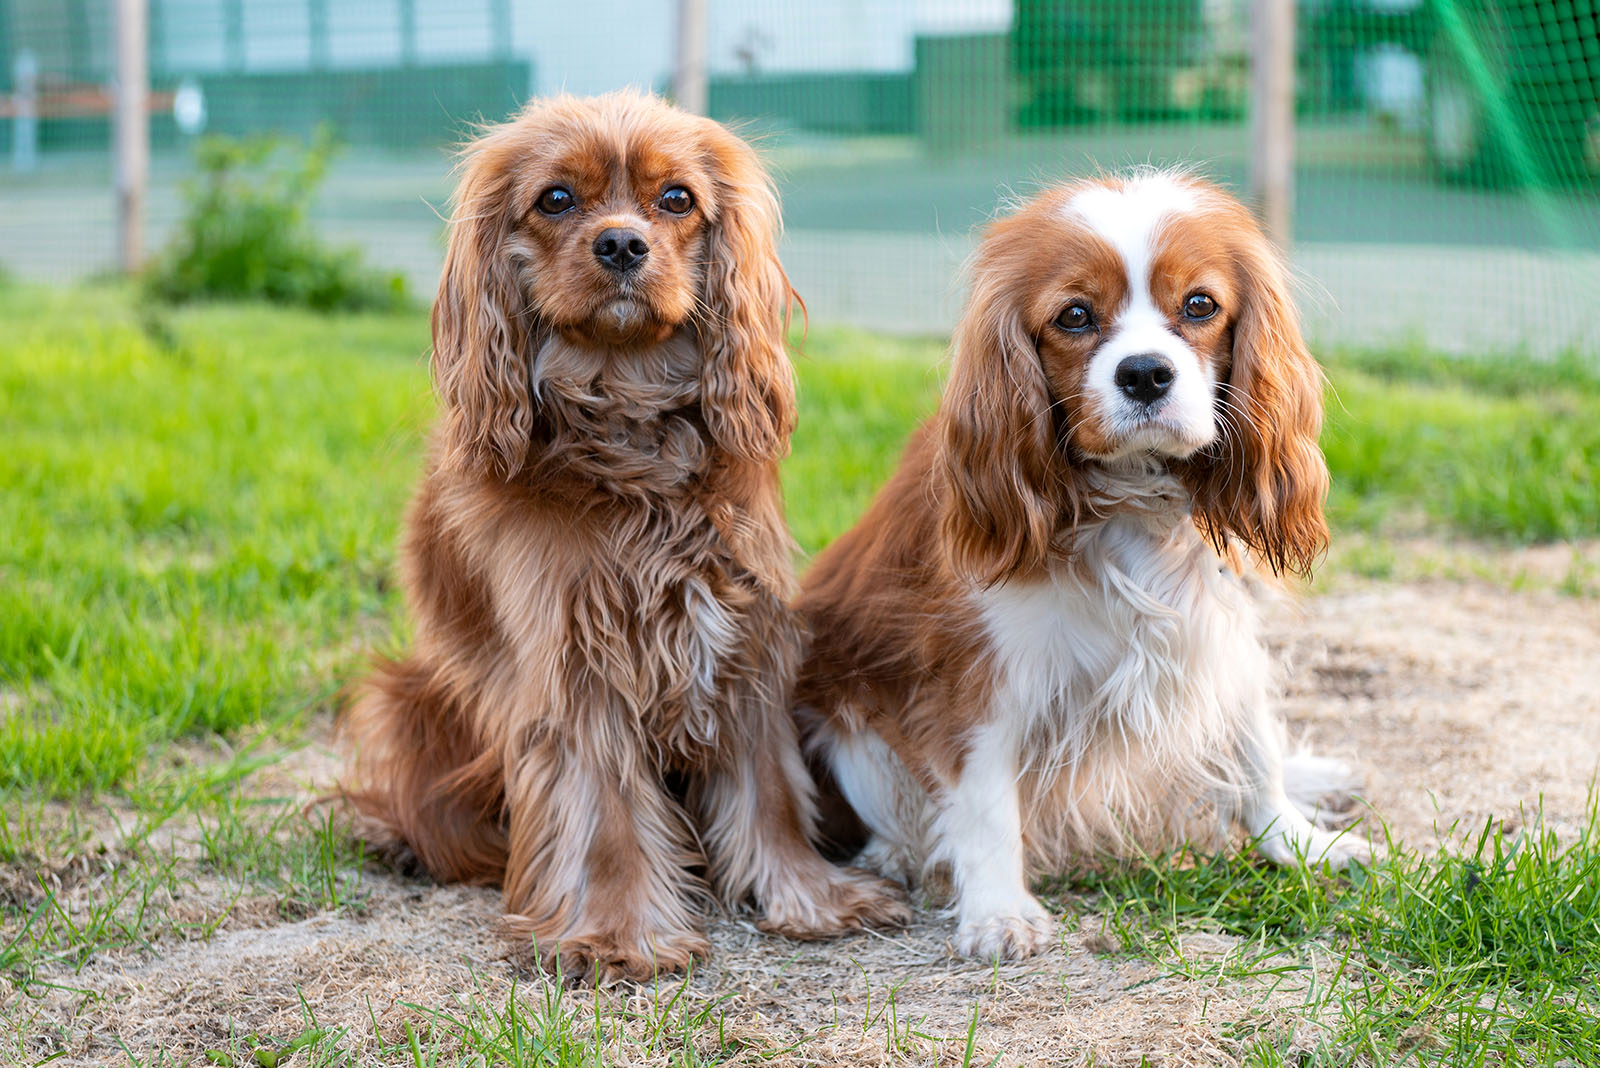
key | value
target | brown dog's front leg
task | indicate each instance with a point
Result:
(599, 874)
(757, 812)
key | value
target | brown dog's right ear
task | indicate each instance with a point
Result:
(998, 453)
(482, 326)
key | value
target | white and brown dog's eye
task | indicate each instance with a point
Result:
(677, 201)
(556, 200)
(1199, 307)
(1075, 319)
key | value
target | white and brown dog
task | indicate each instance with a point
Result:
(1039, 642)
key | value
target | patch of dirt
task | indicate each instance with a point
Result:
(1460, 702)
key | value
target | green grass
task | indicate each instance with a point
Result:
(198, 509)
(1491, 449)
(1481, 955)
(198, 513)
(860, 396)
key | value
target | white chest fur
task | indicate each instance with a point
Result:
(1143, 635)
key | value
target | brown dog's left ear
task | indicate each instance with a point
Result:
(1265, 480)
(482, 323)
(747, 383)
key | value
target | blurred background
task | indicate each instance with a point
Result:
(1437, 162)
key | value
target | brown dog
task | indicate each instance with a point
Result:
(595, 710)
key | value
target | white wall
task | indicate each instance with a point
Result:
(589, 46)
(580, 46)
(837, 35)
(191, 35)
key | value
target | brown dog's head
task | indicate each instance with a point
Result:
(615, 221)
(1130, 320)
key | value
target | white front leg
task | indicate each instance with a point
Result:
(978, 831)
(1286, 837)
(1283, 833)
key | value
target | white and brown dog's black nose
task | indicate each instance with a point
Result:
(1145, 377)
(621, 250)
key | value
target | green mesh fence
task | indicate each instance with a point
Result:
(1447, 153)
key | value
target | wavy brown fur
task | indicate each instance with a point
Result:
(597, 562)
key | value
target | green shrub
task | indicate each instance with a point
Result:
(247, 233)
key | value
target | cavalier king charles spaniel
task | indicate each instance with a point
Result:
(594, 712)
(1041, 641)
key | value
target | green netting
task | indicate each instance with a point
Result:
(1447, 153)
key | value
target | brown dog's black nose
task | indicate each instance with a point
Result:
(620, 250)
(1145, 377)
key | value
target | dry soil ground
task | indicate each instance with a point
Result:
(1459, 699)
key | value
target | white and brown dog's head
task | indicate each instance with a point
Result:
(1134, 319)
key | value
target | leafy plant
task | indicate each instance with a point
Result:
(247, 233)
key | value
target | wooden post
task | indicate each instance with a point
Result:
(689, 73)
(233, 33)
(25, 119)
(317, 24)
(1272, 115)
(131, 130)
(408, 33)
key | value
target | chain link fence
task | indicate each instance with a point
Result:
(1446, 179)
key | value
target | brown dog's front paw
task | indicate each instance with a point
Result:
(833, 902)
(603, 957)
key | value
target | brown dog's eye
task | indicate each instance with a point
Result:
(1199, 307)
(1076, 319)
(677, 200)
(556, 199)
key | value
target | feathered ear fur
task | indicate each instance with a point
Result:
(1007, 483)
(1265, 480)
(747, 383)
(482, 324)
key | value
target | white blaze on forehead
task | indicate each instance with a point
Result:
(1128, 216)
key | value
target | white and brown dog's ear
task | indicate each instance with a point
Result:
(1265, 480)
(1006, 479)
(482, 323)
(747, 382)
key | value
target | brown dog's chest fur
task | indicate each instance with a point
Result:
(620, 425)
(618, 567)
(668, 616)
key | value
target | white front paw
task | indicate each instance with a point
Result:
(1012, 934)
(1314, 846)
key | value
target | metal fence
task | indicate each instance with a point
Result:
(1445, 153)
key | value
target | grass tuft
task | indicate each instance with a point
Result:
(1477, 955)
(190, 533)
(1480, 453)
